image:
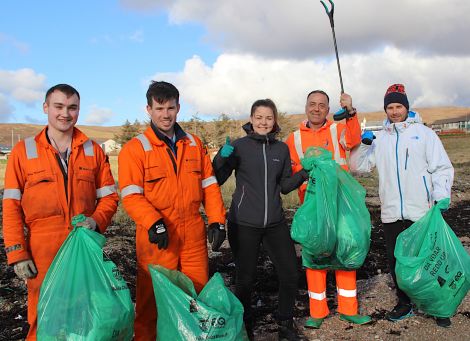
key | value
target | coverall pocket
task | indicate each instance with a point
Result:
(85, 191)
(41, 198)
(156, 187)
(194, 177)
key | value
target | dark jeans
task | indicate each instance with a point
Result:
(391, 231)
(245, 243)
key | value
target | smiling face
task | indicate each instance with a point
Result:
(316, 109)
(163, 115)
(263, 120)
(396, 112)
(62, 111)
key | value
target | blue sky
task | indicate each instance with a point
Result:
(224, 54)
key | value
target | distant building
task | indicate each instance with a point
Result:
(4, 152)
(110, 146)
(371, 125)
(461, 123)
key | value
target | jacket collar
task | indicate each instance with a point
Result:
(248, 128)
(78, 138)
(156, 137)
(305, 126)
(391, 128)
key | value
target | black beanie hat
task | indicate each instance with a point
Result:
(396, 94)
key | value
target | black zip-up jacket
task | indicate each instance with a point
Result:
(262, 171)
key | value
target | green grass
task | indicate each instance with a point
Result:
(114, 166)
(3, 167)
(457, 148)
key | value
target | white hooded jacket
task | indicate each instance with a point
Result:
(414, 169)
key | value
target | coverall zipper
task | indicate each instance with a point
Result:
(64, 173)
(170, 153)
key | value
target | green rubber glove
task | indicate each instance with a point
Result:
(227, 148)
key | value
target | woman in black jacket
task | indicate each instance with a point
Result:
(262, 171)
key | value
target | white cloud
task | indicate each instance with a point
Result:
(146, 5)
(23, 85)
(300, 29)
(20, 46)
(235, 81)
(283, 49)
(36, 120)
(6, 110)
(102, 39)
(99, 116)
(137, 36)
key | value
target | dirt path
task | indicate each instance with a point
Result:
(375, 291)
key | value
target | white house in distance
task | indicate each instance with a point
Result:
(109, 146)
(371, 125)
(461, 123)
(4, 152)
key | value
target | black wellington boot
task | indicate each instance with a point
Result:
(288, 331)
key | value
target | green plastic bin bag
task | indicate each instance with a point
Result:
(83, 296)
(216, 314)
(353, 226)
(433, 268)
(333, 225)
(314, 223)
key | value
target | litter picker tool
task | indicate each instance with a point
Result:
(343, 113)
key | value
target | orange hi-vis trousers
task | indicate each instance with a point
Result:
(346, 289)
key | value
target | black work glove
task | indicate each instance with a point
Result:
(158, 234)
(216, 235)
(344, 113)
(367, 137)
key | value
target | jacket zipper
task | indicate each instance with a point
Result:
(170, 153)
(398, 173)
(265, 185)
(64, 174)
(427, 191)
(406, 159)
(241, 198)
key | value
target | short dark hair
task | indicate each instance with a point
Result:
(265, 103)
(64, 88)
(162, 92)
(319, 92)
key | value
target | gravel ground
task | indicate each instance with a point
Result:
(375, 287)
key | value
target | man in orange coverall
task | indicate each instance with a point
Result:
(50, 178)
(164, 176)
(318, 131)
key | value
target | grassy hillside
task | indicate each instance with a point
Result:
(428, 115)
(20, 131)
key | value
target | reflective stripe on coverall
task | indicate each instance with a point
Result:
(35, 196)
(157, 185)
(337, 138)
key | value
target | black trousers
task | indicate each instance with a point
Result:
(391, 232)
(245, 243)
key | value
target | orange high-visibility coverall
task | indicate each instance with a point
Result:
(157, 185)
(37, 196)
(337, 138)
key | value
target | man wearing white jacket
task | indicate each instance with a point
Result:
(414, 173)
